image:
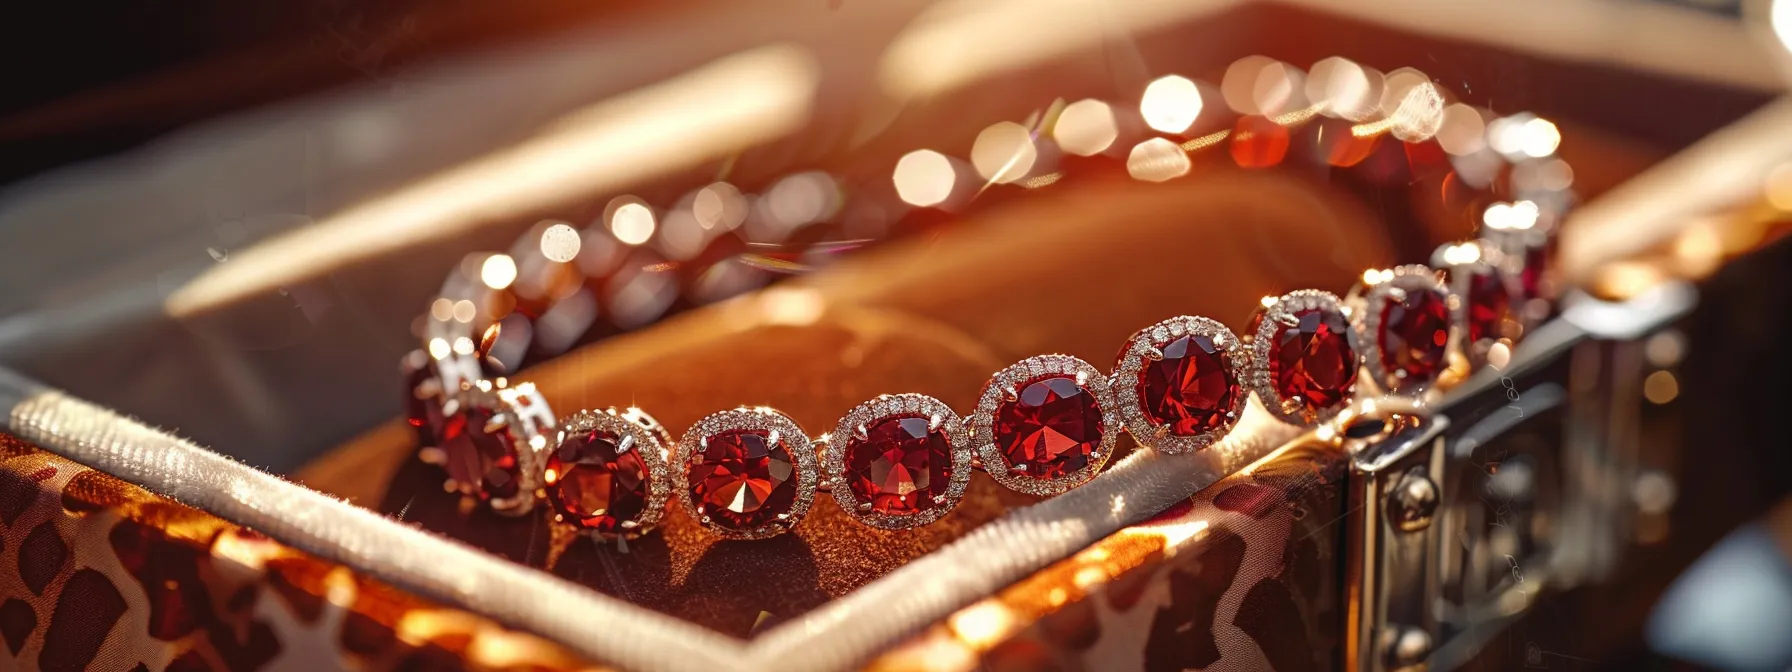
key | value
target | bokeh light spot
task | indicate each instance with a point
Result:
(498, 271)
(1171, 104)
(1157, 160)
(632, 223)
(1086, 128)
(1004, 152)
(925, 178)
(560, 242)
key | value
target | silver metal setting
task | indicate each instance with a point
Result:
(1147, 345)
(890, 406)
(1017, 377)
(755, 419)
(1366, 326)
(1282, 314)
(637, 431)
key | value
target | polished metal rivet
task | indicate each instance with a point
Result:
(1412, 501)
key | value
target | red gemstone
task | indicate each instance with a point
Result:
(1192, 389)
(1413, 335)
(424, 413)
(1488, 304)
(742, 479)
(1311, 363)
(1051, 430)
(484, 462)
(900, 466)
(598, 480)
(1530, 279)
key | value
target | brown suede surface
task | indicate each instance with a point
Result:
(1073, 271)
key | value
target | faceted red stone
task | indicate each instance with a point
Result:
(743, 480)
(1192, 389)
(1488, 304)
(900, 466)
(596, 484)
(423, 413)
(1051, 429)
(1413, 335)
(1311, 363)
(484, 462)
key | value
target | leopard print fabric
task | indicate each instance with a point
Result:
(99, 574)
(1245, 575)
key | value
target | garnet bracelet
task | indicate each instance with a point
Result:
(1041, 426)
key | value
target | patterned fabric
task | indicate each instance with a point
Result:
(99, 574)
(1243, 576)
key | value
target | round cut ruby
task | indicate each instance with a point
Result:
(1488, 305)
(900, 466)
(1311, 363)
(484, 463)
(742, 479)
(1192, 389)
(598, 480)
(1414, 332)
(1052, 428)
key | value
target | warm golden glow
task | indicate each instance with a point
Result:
(1086, 128)
(560, 242)
(715, 111)
(1177, 534)
(1004, 152)
(442, 309)
(794, 306)
(439, 348)
(1621, 280)
(1699, 250)
(1268, 301)
(632, 222)
(983, 624)
(957, 43)
(1157, 160)
(463, 346)
(1462, 131)
(1779, 15)
(1660, 387)
(1171, 104)
(1779, 183)
(498, 271)
(925, 178)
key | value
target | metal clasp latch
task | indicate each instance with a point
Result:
(1515, 483)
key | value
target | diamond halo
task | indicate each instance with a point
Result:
(982, 421)
(942, 418)
(1133, 361)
